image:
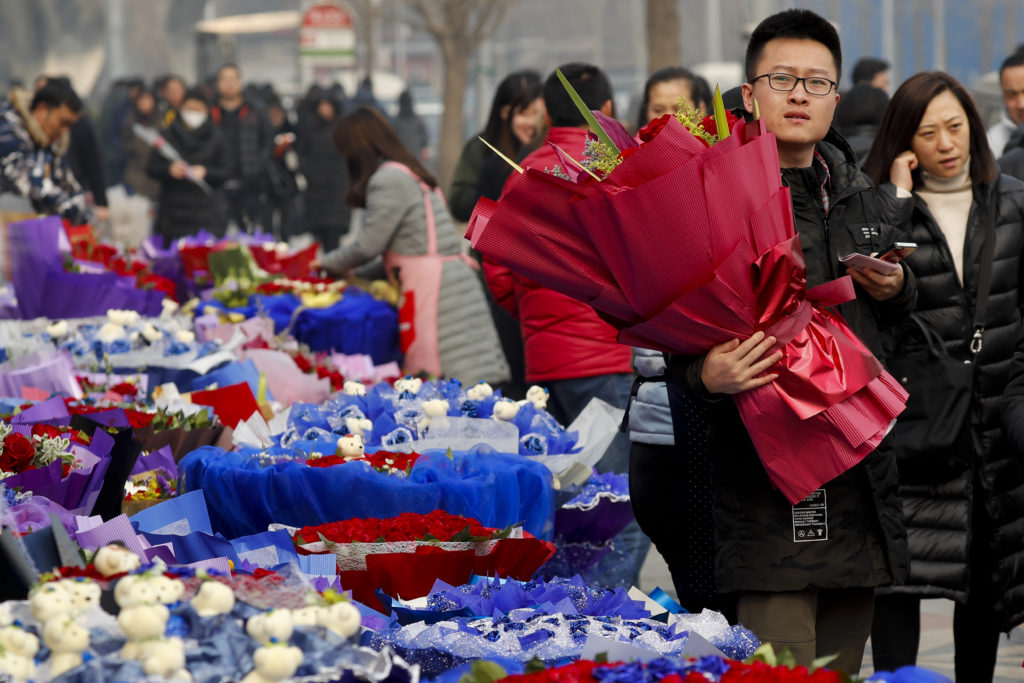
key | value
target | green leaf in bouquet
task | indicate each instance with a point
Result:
(328, 543)
(601, 658)
(449, 454)
(602, 136)
(431, 538)
(503, 533)
(535, 665)
(483, 671)
(464, 536)
(822, 662)
(721, 120)
(766, 654)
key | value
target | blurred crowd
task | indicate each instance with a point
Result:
(222, 154)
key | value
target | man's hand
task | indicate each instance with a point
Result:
(179, 169)
(197, 172)
(880, 286)
(733, 367)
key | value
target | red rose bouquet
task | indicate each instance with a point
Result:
(683, 246)
(405, 555)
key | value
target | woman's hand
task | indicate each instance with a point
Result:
(733, 367)
(179, 169)
(900, 171)
(879, 286)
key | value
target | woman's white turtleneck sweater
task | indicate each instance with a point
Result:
(949, 200)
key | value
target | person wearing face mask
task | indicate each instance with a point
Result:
(184, 206)
(940, 187)
(34, 141)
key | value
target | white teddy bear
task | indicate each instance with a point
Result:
(58, 329)
(274, 663)
(50, 600)
(408, 383)
(135, 590)
(213, 598)
(141, 623)
(18, 649)
(353, 388)
(359, 426)
(67, 641)
(480, 391)
(20, 669)
(538, 396)
(341, 617)
(351, 447)
(168, 590)
(85, 594)
(505, 410)
(165, 658)
(115, 559)
(274, 625)
(433, 409)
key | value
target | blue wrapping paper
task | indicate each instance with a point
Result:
(179, 515)
(232, 373)
(357, 324)
(267, 549)
(243, 497)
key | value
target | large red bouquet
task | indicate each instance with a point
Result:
(405, 555)
(683, 246)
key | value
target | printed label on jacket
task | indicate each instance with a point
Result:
(810, 518)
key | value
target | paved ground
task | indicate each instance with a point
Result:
(936, 651)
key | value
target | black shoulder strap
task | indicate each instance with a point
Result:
(988, 250)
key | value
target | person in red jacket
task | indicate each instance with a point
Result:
(568, 348)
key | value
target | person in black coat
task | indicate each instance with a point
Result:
(324, 168)
(812, 595)
(185, 207)
(940, 187)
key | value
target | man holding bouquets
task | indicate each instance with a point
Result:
(804, 575)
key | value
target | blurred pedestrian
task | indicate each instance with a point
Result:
(326, 214)
(248, 139)
(463, 195)
(405, 221)
(411, 129)
(858, 114)
(1011, 81)
(34, 138)
(872, 71)
(136, 150)
(185, 206)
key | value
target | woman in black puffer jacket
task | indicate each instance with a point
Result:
(184, 206)
(939, 183)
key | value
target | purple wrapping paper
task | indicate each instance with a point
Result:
(162, 459)
(35, 479)
(54, 373)
(34, 513)
(43, 288)
(117, 529)
(32, 249)
(164, 552)
(598, 525)
(218, 564)
(52, 411)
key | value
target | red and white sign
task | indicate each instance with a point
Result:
(327, 31)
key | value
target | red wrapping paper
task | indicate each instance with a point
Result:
(684, 247)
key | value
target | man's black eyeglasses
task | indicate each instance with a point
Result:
(814, 85)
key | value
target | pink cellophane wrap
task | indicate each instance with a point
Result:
(683, 247)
